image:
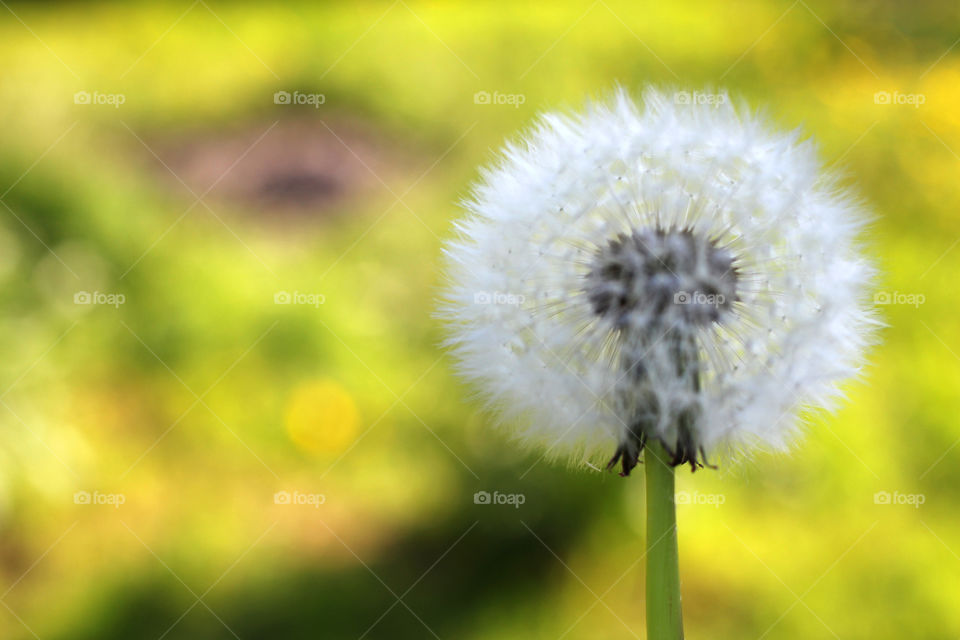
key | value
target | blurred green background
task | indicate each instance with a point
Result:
(223, 410)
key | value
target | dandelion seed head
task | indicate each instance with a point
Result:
(672, 271)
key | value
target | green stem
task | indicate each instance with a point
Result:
(664, 619)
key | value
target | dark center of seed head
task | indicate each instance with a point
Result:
(654, 276)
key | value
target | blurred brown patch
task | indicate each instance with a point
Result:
(308, 168)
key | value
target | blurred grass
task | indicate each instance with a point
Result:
(177, 399)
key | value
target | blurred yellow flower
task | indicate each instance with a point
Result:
(321, 417)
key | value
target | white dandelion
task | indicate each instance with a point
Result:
(678, 273)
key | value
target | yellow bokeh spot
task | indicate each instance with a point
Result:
(321, 417)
